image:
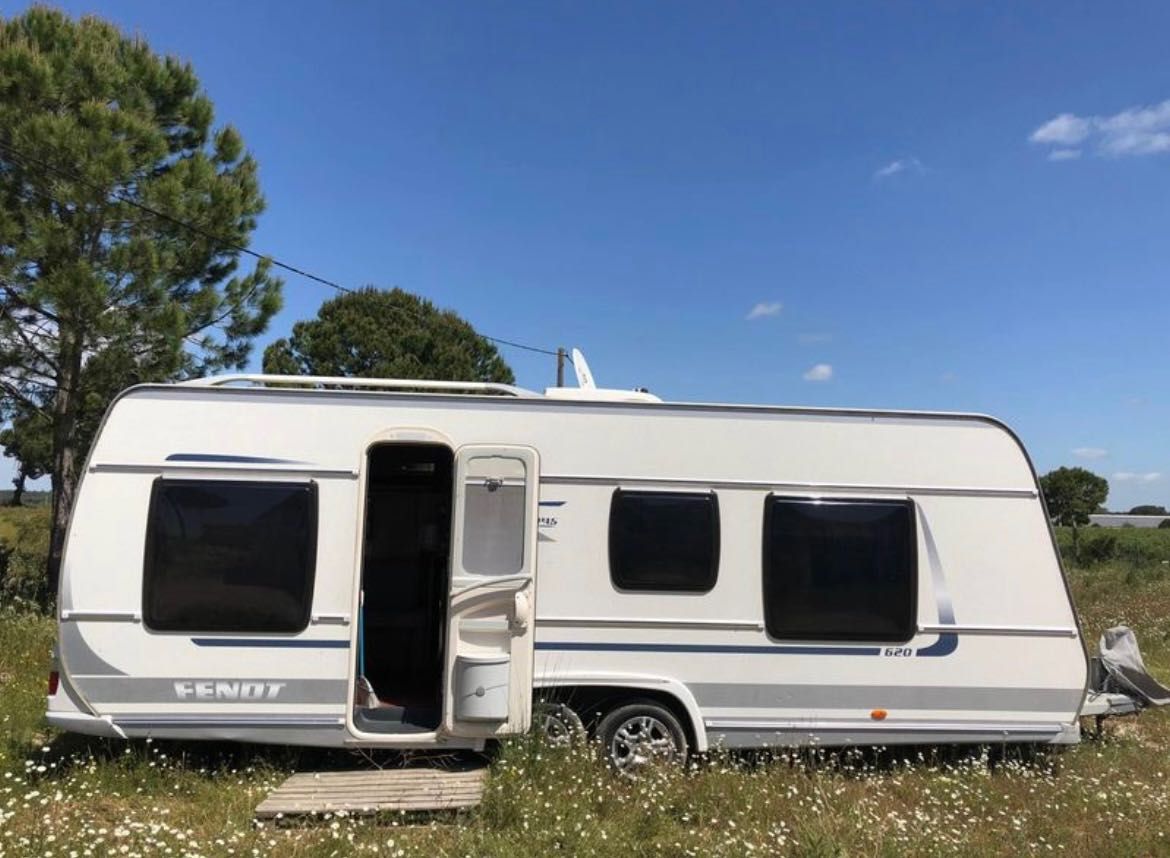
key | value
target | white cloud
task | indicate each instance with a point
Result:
(949, 377)
(763, 309)
(1090, 453)
(1133, 131)
(814, 339)
(819, 372)
(1064, 130)
(1137, 131)
(1131, 477)
(902, 165)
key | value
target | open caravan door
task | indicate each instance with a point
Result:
(490, 616)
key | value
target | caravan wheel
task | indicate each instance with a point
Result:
(639, 735)
(559, 725)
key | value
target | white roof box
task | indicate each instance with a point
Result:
(599, 394)
(587, 391)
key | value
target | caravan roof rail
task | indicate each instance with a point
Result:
(263, 379)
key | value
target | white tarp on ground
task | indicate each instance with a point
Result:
(1123, 661)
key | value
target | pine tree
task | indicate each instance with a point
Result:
(96, 291)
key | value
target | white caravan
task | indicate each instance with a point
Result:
(414, 564)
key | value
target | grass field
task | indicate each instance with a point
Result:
(68, 796)
(11, 517)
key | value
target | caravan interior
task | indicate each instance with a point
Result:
(405, 560)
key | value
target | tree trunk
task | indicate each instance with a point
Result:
(18, 487)
(64, 449)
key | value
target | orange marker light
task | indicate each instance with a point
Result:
(878, 714)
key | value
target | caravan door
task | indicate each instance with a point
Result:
(490, 612)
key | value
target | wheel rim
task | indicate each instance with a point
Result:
(557, 732)
(639, 742)
(560, 726)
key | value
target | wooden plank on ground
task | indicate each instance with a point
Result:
(386, 790)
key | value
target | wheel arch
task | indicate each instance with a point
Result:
(597, 692)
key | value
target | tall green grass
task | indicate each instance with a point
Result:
(24, 549)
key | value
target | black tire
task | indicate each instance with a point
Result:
(639, 734)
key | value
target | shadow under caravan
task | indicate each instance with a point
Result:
(405, 569)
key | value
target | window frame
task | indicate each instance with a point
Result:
(911, 628)
(310, 572)
(711, 496)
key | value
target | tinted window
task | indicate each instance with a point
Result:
(230, 556)
(663, 541)
(839, 570)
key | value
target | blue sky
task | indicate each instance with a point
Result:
(936, 205)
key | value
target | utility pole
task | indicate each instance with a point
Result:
(560, 367)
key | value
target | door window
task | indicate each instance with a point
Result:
(494, 515)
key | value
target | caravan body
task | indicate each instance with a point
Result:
(336, 562)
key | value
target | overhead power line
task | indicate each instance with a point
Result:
(514, 345)
(32, 161)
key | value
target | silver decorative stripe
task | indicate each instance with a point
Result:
(213, 722)
(221, 468)
(330, 619)
(1002, 631)
(843, 488)
(942, 593)
(648, 623)
(223, 691)
(733, 695)
(101, 616)
(819, 726)
(78, 657)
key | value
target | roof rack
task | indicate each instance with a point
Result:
(263, 379)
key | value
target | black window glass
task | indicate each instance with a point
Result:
(839, 570)
(663, 541)
(230, 556)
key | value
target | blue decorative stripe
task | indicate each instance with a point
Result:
(945, 645)
(552, 503)
(219, 457)
(797, 649)
(291, 643)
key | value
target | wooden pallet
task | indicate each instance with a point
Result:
(386, 790)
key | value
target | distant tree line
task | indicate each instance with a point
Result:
(1073, 494)
(1148, 509)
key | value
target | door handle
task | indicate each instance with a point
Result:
(521, 612)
